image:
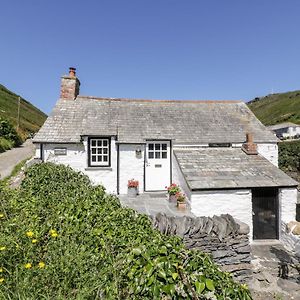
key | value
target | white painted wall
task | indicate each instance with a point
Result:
(77, 159)
(269, 151)
(177, 177)
(37, 150)
(287, 204)
(131, 166)
(237, 203)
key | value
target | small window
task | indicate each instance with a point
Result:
(157, 151)
(99, 152)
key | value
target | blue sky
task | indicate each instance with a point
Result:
(156, 49)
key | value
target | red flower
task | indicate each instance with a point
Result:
(133, 183)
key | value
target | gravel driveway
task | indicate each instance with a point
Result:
(10, 158)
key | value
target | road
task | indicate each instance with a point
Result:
(10, 158)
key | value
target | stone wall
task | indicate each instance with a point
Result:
(221, 236)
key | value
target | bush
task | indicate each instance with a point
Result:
(5, 144)
(8, 133)
(289, 156)
(62, 238)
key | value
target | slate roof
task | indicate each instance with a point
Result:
(227, 168)
(134, 121)
(282, 125)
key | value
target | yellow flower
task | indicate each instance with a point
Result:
(1, 216)
(54, 234)
(29, 234)
(41, 265)
(52, 231)
(1, 280)
(2, 248)
(34, 241)
(1, 270)
(28, 266)
(244, 286)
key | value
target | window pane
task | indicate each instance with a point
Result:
(105, 158)
(105, 143)
(94, 151)
(93, 143)
(99, 158)
(164, 155)
(150, 155)
(157, 154)
(99, 150)
(164, 146)
(93, 158)
(105, 150)
(99, 143)
(150, 147)
(157, 146)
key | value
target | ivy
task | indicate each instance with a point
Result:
(63, 238)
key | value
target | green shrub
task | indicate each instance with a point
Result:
(8, 133)
(5, 144)
(289, 156)
(62, 238)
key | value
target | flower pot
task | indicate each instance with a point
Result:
(181, 206)
(172, 198)
(132, 192)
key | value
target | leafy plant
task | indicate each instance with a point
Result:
(63, 238)
(173, 189)
(180, 197)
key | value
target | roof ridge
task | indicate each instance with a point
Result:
(158, 100)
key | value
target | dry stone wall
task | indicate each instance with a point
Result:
(224, 238)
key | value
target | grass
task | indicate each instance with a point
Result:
(5, 144)
(31, 118)
(277, 108)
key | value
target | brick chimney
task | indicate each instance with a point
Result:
(249, 147)
(69, 85)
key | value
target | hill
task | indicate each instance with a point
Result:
(31, 118)
(277, 108)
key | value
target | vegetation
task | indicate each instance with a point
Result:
(62, 238)
(8, 136)
(277, 108)
(289, 158)
(31, 118)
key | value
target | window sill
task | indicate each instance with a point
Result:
(98, 169)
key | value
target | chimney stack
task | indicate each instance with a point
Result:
(69, 85)
(249, 147)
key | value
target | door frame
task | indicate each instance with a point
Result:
(277, 212)
(145, 157)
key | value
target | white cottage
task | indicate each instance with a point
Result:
(286, 130)
(199, 144)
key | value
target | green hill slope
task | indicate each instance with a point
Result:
(31, 118)
(277, 108)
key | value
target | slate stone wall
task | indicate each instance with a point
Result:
(221, 236)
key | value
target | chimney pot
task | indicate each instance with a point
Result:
(249, 147)
(249, 138)
(72, 72)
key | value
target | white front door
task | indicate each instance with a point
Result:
(157, 165)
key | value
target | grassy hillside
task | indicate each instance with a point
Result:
(31, 118)
(277, 108)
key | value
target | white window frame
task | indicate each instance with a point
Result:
(99, 154)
